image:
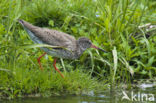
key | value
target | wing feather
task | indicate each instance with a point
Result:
(56, 38)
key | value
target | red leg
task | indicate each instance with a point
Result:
(38, 59)
(54, 64)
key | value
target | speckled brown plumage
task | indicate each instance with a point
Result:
(56, 38)
(52, 37)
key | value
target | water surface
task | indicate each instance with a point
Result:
(146, 93)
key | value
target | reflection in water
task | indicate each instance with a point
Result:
(119, 96)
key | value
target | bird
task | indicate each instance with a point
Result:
(68, 46)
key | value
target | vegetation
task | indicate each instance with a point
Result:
(111, 24)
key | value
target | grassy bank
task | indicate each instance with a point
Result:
(34, 83)
(111, 24)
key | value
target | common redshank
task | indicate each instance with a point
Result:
(73, 48)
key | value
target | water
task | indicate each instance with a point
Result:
(146, 93)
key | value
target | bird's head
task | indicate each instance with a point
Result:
(85, 43)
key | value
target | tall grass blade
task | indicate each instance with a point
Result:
(129, 68)
(6, 70)
(92, 62)
(115, 58)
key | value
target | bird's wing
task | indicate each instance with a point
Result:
(55, 38)
(51, 37)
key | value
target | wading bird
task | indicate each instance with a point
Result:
(70, 48)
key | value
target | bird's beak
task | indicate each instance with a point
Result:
(93, 46)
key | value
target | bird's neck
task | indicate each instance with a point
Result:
(79, 50)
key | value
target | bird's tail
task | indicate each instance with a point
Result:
(20, 21)
(30, 30)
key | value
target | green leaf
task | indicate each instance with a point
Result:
(151, 61)
(51, 23)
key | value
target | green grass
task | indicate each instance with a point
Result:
(26, 82)
(110, 24)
